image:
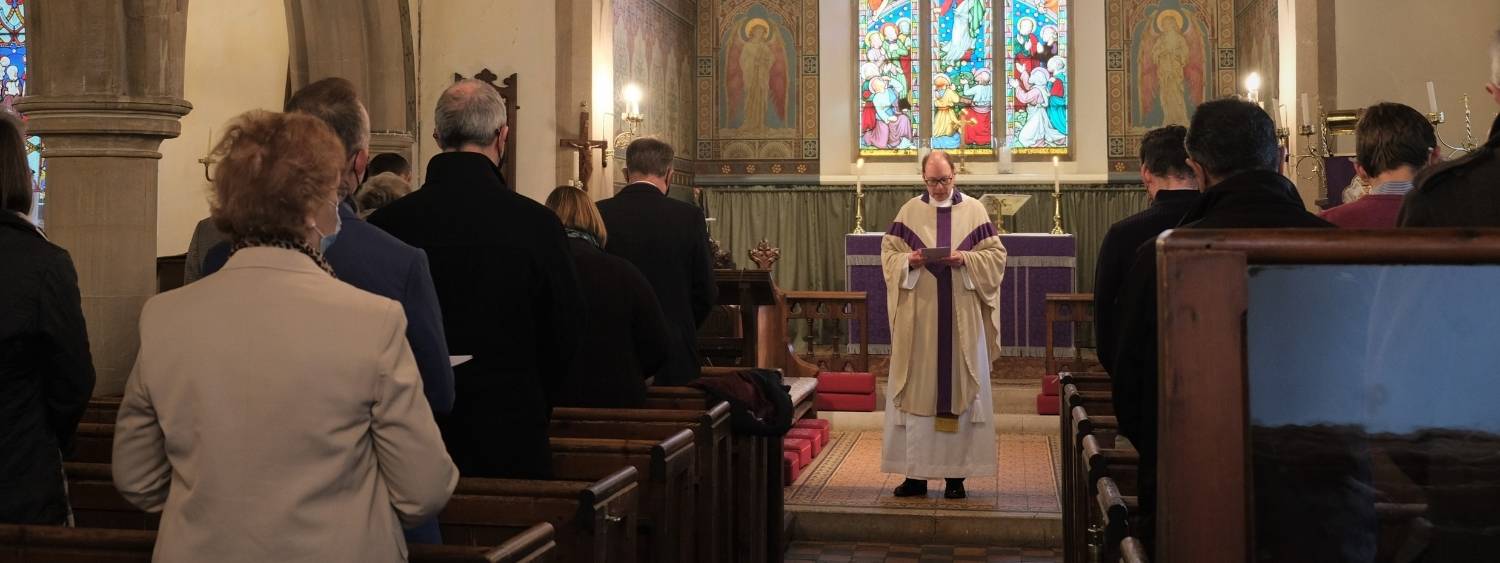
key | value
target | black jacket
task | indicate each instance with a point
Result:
(46, 372)
(1255, 199)
(510, 298)
(668, 240)
(1464, 192)
(1117, 254)
(626, 339)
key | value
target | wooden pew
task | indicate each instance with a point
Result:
(711, 432)
(55, 544)
(94, 442)
(592, 521)
(1113, 514)
(668, 480)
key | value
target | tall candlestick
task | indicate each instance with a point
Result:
(859, 197)
(1306, 111)
(1056, 176)
(1432, 106)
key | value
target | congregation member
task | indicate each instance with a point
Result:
(389, 162)
(1392, 142)
(367, 258)
(939, 414)
(1232, 151)
(1172, 189)
(275, 413)
(667, 240)
(46, 370)
(379, 191)
(626, 336)
(1461, 192)
(508, 289)
(205, 237)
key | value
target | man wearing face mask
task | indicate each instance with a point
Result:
(366, 257)
(507, 285)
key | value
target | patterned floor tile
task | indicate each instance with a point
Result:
(813, 551)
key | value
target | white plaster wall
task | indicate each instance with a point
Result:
(236, 62)
(1389, 49)
(836, 106)
(506, 36)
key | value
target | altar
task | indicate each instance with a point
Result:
(1036, 264)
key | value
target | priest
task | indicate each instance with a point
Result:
(943, 263)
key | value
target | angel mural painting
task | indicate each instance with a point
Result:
(757, 76)
(888, 71)
(1170, 66)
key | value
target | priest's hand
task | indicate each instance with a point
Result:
(954, 260)
(915, 260)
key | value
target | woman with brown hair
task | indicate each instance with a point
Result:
(46, 372)
(276, 413)
(625, 335)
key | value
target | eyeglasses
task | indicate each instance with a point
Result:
(946, 180)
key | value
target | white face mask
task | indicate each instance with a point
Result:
(326, 241)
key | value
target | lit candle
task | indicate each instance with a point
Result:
(1280, 113)
(1431, 98)
(1056, 176)
(1306, 111)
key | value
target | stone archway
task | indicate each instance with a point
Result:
(368, 42)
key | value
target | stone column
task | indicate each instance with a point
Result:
(105, 90)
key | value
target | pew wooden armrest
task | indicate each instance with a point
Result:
(1097, 402)
(1086, 381)
(1117, 463)
(535, 545)
(1113, 510)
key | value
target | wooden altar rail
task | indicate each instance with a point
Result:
(1074, 309)
(816, 309)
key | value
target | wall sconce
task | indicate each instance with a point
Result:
(632, 117)
(1252, 87)
(208, 159)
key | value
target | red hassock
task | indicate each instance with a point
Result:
(809, 435)
(846, 382)
(799, 446)
(1049, 385)
(790, 469)
(1046, 404)
(864, 402)
(822, 426)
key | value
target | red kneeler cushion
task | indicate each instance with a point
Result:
(846, 382)
(809, 435)
(1047, 404)
(1049, 385)
(852, 402)
(799, 446)
(790, 469)
(822, 426)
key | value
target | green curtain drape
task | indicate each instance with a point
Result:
(808, 223)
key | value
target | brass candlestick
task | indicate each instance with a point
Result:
(859, 197)
(1057, 228)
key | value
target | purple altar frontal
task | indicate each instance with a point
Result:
(1036, 264)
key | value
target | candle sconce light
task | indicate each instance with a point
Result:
(632, 117)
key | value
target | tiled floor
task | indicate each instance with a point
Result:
(847, 473)
(873, 553)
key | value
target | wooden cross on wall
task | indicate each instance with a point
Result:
(585, 148)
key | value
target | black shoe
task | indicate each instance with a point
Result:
(955, 489)
(912, 488)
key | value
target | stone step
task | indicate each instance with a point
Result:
(1030, 423)
(925, 527)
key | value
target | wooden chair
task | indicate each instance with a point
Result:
(1073, 309)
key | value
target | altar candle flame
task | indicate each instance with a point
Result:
(1056, 175)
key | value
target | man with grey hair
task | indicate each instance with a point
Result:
(668, 240)
(1461, 192)
(506, 283)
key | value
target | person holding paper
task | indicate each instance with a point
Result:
(943, 263)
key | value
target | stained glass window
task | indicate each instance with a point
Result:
(14, 67)
(1037, 116)
(963, 91)
(889, 77)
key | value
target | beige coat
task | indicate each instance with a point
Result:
(276, 414)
